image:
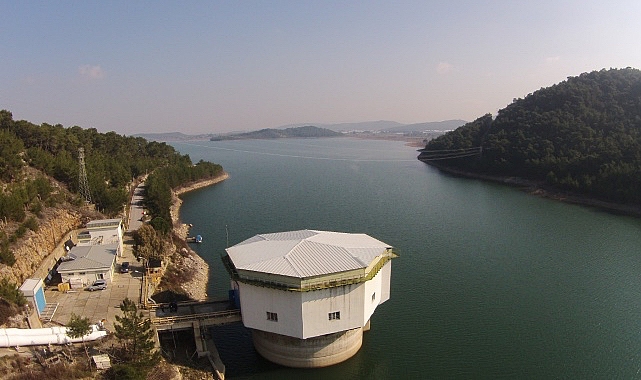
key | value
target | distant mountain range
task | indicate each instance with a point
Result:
(380, 126)
(171, 136)
(388, 126)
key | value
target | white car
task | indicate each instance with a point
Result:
(97, 285)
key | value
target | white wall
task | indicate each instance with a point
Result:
(256, 301)
(306, 314)
(379, 286)
(348, 300)
(386, 273)
(88, 277)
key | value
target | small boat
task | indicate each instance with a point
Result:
(195, 239)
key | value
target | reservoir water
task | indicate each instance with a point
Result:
(491, 282)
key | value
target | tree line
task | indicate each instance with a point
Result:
(111, 160)
(582, 135)
(159, 184)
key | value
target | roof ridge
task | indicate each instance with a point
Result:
(288, 259)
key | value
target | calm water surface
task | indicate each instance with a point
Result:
(490, 283)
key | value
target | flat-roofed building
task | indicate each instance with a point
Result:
(103, 231)
(308, 295)
(86, 263)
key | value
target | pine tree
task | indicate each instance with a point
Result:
(136, 335)
(78, 327)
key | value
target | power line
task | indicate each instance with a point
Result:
(449, 150)
(449, 154)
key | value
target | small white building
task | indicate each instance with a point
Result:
(33, 290)
(101, 232)
(85, 264)
(309, 295)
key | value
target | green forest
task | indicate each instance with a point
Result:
(30, 155)
(581, 135)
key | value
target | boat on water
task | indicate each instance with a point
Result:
(195, 239)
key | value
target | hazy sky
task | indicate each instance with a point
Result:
(215, 66)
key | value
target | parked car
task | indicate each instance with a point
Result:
(97, 285)
(124, 267)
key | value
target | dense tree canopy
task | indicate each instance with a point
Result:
(583, 134)
(111, 160)
(159, 184)
(148, 244)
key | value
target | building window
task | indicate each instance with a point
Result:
(373, 296)
(272, 316)
(334, 315)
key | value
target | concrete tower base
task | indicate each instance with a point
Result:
(321, 351)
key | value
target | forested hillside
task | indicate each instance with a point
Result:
(39, 169)
(583, 135)
(270, 133)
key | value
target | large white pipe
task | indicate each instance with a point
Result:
(13, 337)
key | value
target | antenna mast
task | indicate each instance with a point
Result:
(84, 184)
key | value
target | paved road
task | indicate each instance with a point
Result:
(136, 208)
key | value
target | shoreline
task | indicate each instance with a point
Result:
(196, 288)
(539, 189)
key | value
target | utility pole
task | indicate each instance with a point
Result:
(84, 184)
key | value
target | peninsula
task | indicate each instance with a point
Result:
(578, 140)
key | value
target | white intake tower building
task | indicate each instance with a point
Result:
(308, 295)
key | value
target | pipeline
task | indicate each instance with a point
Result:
(13, 337)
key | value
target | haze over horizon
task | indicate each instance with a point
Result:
(213, 67)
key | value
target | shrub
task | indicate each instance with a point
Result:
(6, 256)
(9, 291)
(36, 208)
(126, 372)
(20, 231)
(31, 223)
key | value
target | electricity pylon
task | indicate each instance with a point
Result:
(84, 184)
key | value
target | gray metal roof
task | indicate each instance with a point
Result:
(89, 257)
(104, 223)
(306, 253)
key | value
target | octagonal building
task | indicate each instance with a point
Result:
(308, 295)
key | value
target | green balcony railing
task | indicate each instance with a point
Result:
(307, 285)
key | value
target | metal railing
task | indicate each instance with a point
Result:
(226, 314)
(308, 286)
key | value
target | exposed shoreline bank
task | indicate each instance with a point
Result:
(195, 288)
(539, 189)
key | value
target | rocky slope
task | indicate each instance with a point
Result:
(196, 287)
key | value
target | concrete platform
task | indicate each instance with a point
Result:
(100, 304)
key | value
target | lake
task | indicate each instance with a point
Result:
(491, 282)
